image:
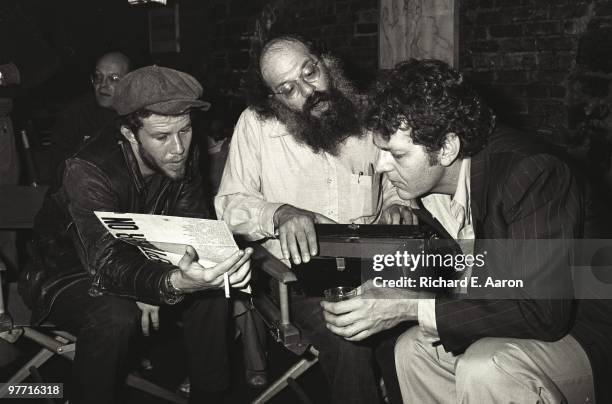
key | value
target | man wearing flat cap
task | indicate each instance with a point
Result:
(104, 290)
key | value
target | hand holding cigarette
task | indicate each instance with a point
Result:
(191, 277)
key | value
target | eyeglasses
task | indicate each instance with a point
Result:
(98, 78)
(309, 74)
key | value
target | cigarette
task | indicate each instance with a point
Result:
(226, 285)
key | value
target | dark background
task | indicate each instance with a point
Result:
(546, 65)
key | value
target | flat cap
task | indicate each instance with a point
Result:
(158, 89)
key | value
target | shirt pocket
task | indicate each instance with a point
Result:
(362, 199)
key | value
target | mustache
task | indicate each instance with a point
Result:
(314, 99)
(328, 130)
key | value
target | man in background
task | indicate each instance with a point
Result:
(91, 113)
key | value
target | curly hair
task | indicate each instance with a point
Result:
(432, 99)
(257, 92)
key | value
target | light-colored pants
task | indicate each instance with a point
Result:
(493, 370)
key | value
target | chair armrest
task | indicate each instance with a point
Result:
(276, 317)
(270, 264)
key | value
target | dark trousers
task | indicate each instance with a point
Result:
(108, 327)
(347, 366)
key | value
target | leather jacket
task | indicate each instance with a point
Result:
(70, 244)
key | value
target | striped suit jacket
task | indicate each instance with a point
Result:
(522, 189)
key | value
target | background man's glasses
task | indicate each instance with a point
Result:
(309, 74)
(99, 78)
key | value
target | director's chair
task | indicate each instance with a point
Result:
(339, 243)
(63, 344)
(274, 311)
(18, 206)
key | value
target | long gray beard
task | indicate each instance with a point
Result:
(325, 133)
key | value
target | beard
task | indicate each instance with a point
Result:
(173, 175)
(327, 131)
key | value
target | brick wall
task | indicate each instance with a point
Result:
(546, 65)
(237, 27)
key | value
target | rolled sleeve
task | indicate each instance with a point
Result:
(267, 218)
(427, 317)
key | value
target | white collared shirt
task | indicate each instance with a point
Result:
(455, 215)
(267, 167)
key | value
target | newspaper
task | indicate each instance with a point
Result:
(164, 238)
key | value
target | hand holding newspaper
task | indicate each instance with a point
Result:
(164, 238)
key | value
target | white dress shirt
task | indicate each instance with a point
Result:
(455, 215)
(267, 168)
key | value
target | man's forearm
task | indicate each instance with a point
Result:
(126, 272)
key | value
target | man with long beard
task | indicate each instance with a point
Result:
(299, 156)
